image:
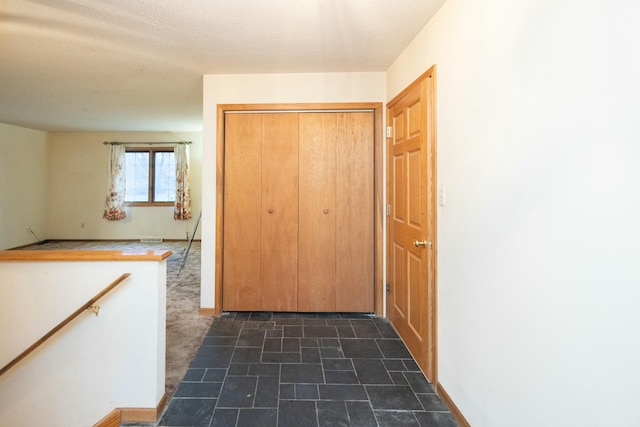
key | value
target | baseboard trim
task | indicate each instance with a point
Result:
(209, 312)
(133, 415)
(26, 246)
(144, 415)
(113, 419)
(139, 415)
(452, 406)
(111, 240)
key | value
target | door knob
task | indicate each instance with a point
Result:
(423, 243)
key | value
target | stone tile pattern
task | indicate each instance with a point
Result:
(299, 369)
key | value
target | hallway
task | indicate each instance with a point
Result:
(297, 369)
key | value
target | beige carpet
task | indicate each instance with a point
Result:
(186, 328)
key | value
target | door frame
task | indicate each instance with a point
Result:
(431, 197)
(378, 208)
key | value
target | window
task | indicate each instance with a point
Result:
(150, 176)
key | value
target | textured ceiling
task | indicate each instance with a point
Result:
(137, 65)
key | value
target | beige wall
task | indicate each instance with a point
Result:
(538, 149)
(23, 185)
(77, 185)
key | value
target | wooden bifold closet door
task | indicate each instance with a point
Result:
(298, 212)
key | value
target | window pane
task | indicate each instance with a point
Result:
(165, 177)
(137, 177)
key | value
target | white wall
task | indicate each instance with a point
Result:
(23, 185)
(265, 88)
(539, 151)
(96, 363)
(78, 185)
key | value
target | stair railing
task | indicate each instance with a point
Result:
(89, 305)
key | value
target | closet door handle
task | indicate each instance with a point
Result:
(326, 211)
(270, 211)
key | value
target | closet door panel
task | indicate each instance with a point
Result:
(279, 214)
(317, 244)
(354, 213)
(242, 207)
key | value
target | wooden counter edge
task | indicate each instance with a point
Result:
(84, 255)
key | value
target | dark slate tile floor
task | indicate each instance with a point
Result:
(298, 369)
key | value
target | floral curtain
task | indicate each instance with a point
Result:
(182, 209)
(114, 205)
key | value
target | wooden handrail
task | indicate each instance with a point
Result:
(87, 306)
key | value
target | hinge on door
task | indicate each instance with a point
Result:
(389, 210)
(388, 288)
(389, 131)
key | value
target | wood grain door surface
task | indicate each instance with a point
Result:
(243, 213)
(411, 300)
(317, 262)
(354, 210)
(298, 212)
(279, 212)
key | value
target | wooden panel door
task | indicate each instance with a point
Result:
(279, 215)
(317, 245)
(298, 216)
(411, 175)
(242, 212)
(354, 212)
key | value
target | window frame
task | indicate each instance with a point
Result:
(151, 172)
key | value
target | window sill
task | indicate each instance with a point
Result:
(149, 204)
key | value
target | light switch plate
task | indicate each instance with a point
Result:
(442, 196)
